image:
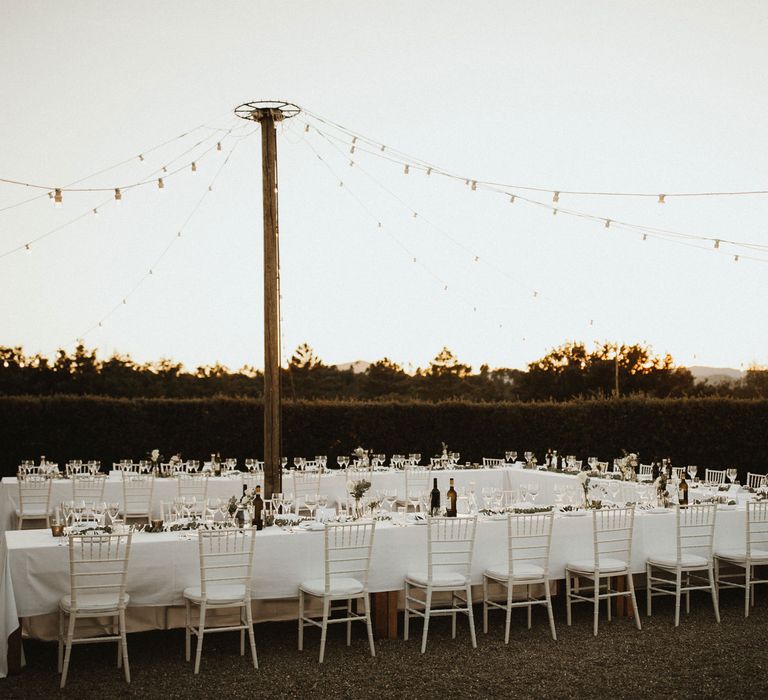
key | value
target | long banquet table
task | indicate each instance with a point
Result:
(35, 565)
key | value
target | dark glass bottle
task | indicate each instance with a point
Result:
(548, 459)
(669, 467)
(434, 500)
(683, 490)
(451, 510)
(258, 509)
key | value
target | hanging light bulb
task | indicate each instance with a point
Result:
(474, 185)
(194, 167)
(429, 171)
(607, 223)
(178, 235)
(379, 224)
(306, 128)
(118, 196)
(150, 271)
(352, 147)
(210, 188)
(141, 158)
(535, 294)
(477, 258)
(218, 145)
(57, 199)
(717, 243)
(662, 198)
(554, 212)
(645, 236)
(511, 199)
(555, 196)
(124, 302)
(160, 183)
(383, 147)
(100, 324)
(415, 214)
(351, 163)
(735, 258)
(341, 184)
(95, 212)
(165, 170)
(406, 169)
(414, 260)
(28, 248)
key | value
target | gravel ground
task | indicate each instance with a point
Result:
(699, 659)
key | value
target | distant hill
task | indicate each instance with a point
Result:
(715, 375)
(357, 367)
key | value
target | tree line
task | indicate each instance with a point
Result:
(570, 371)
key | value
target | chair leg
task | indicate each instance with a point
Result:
(714, 593)
(568, 597)
(188, 635)
(631, 584)
(454, 598)
(427, 610)
(349, 622)
(747, 586)
(368, 625)
(550, 614)
(116, 631)
(301, 620)
(471, 614)
(485, 604)
(648, 591)
(200, 634)
(124, 646)
(508, 612)
(251, 634)
(68, 649)
(688, 593)
(326, 610)
(608, 600)
(242, 631)
(406, 616)
(678, 586)
(530, 607)
(596, 612)
(61, 639)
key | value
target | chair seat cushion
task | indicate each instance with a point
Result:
(93, 602)
(521, 571)
(216, 593)
(339, 585)
(439, 579)
(687, 561)
(607, 565)
(741, 554)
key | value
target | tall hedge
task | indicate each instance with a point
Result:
(715, 432)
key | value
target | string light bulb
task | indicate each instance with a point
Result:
(406, 169)
(28, 248)
(160, 183)
(352, 147)
(124, 302)
(474, 185)
(218, 145)
(210, 188)
(57, 199)
(178, 235)
(141, 158)
(429, 171)
(717, 243)
(382, 147)
(95, 212)
(511, 199)
(351, 163)
(555, 196)
(662, 198)
(165, 170)
(554, 212)
(306, 129)
(118, 196)
(735, 258)
(194, 167)
(607, 223)
(645, 236)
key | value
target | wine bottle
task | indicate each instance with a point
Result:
(682, 490)
(548, 458)
(434, 499)
(258, 509)
(451, 510)
(669, 467)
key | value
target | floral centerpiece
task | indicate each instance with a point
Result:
(584, 480)
(628, 466)
(362, 456)
(357, 489)
(174, 463)
(661, 490)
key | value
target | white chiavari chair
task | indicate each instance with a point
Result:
(645, 470)
(694, 529)
(347, 549)
(88, 487)
(755, 480)
(310, 465)
(34, 499)
(226, 561)
(126, 466)
(493, 462)
(75, 467)
(744, 560)
(450, 544)
(602, 466)
(305, 484)
(529, 538)
(193, 486)
(98, 567)
(677, 472)
(138, 490)
(714, 476)
(612, 531)
(416, 482)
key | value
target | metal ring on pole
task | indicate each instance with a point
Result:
(277, 109)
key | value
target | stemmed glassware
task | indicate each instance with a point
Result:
(310, 503)
(533, 489)
(342, 461)
(732, 473)
(528, 455)
(212, 506)
(298, 462)
(322, 501)
(693, 470)
(288, 501)
(415, 457)
(112, 509)
(390, 497)
(284, 463)
(511, 456)
(277, 501)
(414, 498)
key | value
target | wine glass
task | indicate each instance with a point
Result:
(67, 511)
(390, 498)
(310, 503)
(528, 455)
(213, 505)
(533, 489)
(277, 502)
(298, 462)
(322, 501)
(487, 494)
(557, 490)
(284, 463)
(416, 457)
(732, 473)
(693, 470)
(288, 501)
(414, 498)
(113, 510)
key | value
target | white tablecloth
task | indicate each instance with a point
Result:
(35, 565)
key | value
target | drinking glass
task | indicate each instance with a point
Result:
(533, 489)
(249, 464)
(67, 511)
(528, 455)
(277, 501)
(487, 494)
(416, 457)
(414, 498)
(288, 501)
(284, 462)
(298, 462)
(322, 501)
(310, 503)
(693, 470)
(390, 496)
(113, 509)
(213, 505)
(732, 473)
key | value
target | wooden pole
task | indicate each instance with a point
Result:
(273, 471)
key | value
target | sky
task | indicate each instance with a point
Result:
(652, 97)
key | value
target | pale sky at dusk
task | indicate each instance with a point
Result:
(653, 97)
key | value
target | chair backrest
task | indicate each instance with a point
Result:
(714, 476)
(757, 527)
(188, 485)
(450, 544)
(612, 530)
(416, 480)
(755, 480)
(75, 467)
(34, 494)
(492, 462)
(696, 529)
(125, 465)
(226, 558)
(137, 493)
(359, 473)
(305, 484)
(88, 487)
(645, 470)
(310, 465)
(602, 466)
(529, 537)
(98, 564)
(348, 549)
